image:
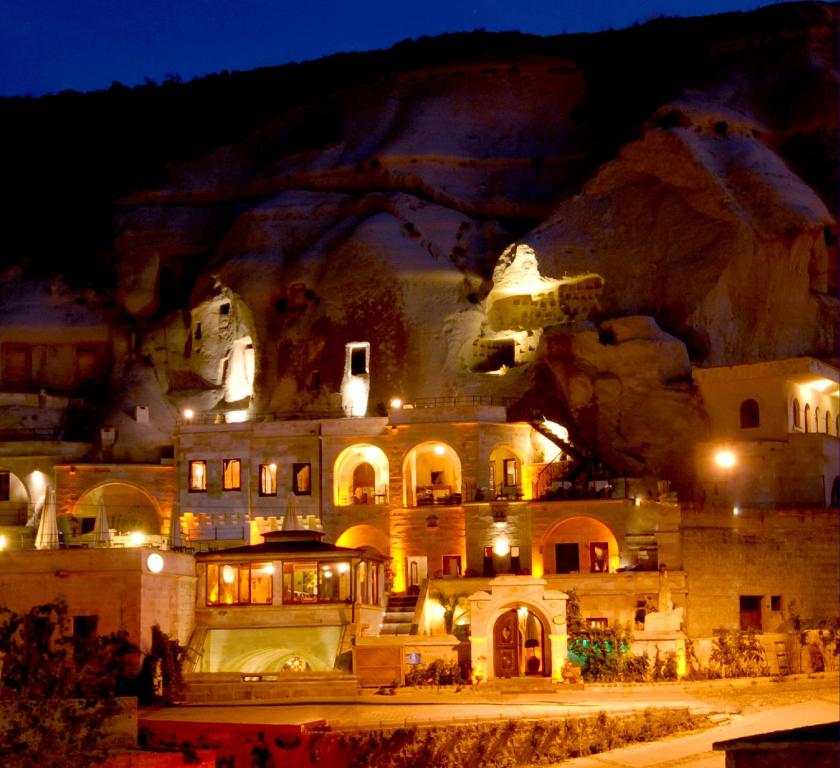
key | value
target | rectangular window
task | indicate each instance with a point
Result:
(775, 602)
(300, 582)
(511, 475)
(335, 582)
(750, 610)
(239, 583)
(358, 361)
(198, 476)
(4, 486)
(268, 479)
(231, 474)
(302, 479)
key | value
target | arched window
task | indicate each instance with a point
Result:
(807, 417)
(828, 422)
(797, 418)
(749, 414)
(817, 424)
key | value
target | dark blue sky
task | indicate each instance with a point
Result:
(51, 45)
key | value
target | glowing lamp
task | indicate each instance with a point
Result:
(736, 510)
(396, 403)
(137, 539)
(154, 562)
(228, 575)
(725, 459)
(269, 569)
(2, 543)
(189, 413)
(439, 450)
(343, 567)
(501, 547)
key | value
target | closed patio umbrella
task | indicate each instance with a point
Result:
(101, 531)
(291, 521)
(47, 536)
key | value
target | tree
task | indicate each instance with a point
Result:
(57, 691)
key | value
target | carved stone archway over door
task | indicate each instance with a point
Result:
(507, 594)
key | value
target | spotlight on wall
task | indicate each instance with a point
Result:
(725, 459)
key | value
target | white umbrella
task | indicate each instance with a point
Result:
(291, 521)
(101, 531)
(47, 536)
(175, 529)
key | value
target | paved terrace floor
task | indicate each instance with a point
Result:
(736, 704)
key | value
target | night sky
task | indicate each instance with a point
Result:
(52, 45)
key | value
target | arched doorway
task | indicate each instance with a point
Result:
(519, 644)
(505, 473)
(431, 475)
(128, 509)
(580, 545)
(15, 508)
(360, 476)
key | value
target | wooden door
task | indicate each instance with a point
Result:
(506, 645)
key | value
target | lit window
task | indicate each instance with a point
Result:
(198, 476)
(230, 474)
(268, 479)
(511, 474)
(239, 583)
(302, 479)
(300, 582)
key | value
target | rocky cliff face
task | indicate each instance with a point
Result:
(378, 213)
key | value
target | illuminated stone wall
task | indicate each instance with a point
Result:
(157, 482)
(113, 584)
(792, 554)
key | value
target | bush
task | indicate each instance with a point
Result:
(437, 673)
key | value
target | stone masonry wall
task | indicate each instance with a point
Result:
(791, 554)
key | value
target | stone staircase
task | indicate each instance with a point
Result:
(399, 615)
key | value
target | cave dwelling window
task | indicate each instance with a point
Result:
(239, 583)
(807, 417)
(231, 472)
(358, 361)
(797, 415)
(749, 414)
(5, 486)
(198, 476)
(268, 479)
(302, 479)
(224, 309)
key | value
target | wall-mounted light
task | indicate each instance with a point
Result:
(396, 403)
(439, 450)
(154, 562)
(725, 459)
(501, 546)
(136, 539)
(188, 414)
(2, 543)
(736, 510)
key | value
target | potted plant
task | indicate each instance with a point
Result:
(532, 663)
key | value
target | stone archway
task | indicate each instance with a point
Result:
(431, 474)
(580, 544)
(128, 508)
(363, 535)
(511, 599)
(360, 476)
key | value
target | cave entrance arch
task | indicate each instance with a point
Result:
(360, 476)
